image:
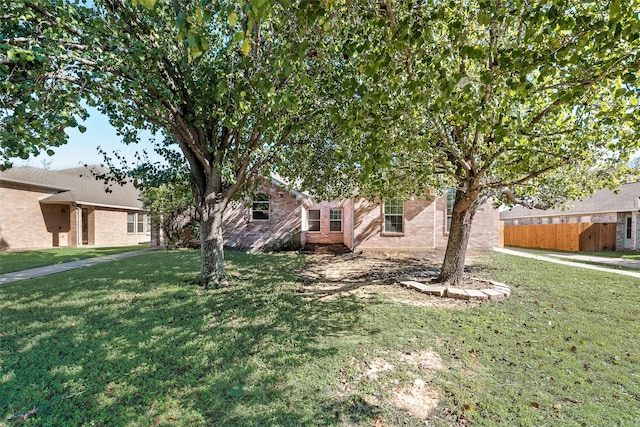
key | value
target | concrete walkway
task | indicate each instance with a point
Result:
(59, 268)
(575, 261)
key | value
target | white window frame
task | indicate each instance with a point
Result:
(140, 221)
(334, 220)
(451, 200)
(264, 201)
(393, 204)
(311, 220)
(131, 223)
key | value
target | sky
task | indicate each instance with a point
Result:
(82, 148)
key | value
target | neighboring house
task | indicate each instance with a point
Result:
(43, 208)
(619, 211)
(278, 213)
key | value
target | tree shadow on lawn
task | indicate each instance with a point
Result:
(131, 343)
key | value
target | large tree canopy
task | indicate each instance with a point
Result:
(517, 100)
(231, 82)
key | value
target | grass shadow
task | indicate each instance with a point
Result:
(105, 346)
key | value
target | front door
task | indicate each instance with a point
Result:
(628, 228)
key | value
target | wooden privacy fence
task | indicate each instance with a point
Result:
(578, 236)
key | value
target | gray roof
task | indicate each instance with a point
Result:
(627, 199)
(76, 185)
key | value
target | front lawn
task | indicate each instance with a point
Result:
(134, 343)
(17, 261)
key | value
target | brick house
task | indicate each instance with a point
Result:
(415, 224)
(589, 218)
(43, 209)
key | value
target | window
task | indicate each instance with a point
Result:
(335, 220)
(451, 199)
(138, 223)
(629, 227)
(141, 223)
(260, 208)
(393, 216)
(131, 222)
(314, 220)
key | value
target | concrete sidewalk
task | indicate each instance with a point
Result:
(553, 257)
(59, 268)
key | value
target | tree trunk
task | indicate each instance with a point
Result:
(212, 246)
(464, 209)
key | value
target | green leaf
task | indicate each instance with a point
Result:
(246, 46)
(236, 390)
(484, 18)
(149, 4)
(237, 37)
(82, 129)
(614, 9)
(233, 18)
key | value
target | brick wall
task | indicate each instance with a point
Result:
(621, 232)
(57, 223)
(22, 222)
(485, 228)
(425, 223)
(241, 231)
(110, 228)
(25, 223)
(325, 235)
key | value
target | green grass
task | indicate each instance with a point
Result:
(602, 254)
(133, 344)
(17, 261)
(614, 254)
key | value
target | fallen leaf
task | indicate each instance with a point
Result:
(236, 390)
(535, 405)
(557, 407)
(379, 422)
(569, 399)
(157, 421)
(173, 418)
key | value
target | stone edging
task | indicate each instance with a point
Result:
(498, 290)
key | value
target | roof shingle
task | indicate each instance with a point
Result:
(602, 201)
(77, 185)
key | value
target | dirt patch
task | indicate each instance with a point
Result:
(419, 399)
(376, 381)
(328, 277)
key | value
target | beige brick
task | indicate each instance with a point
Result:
(476, 294)
(493, 294)
(457, 293)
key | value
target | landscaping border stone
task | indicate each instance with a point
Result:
(498, 290)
